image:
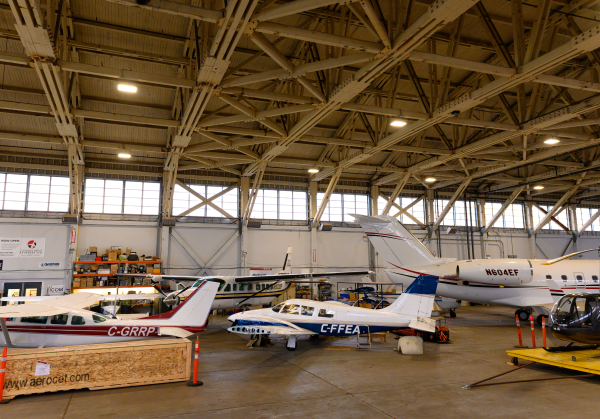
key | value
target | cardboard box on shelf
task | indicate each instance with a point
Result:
(104, 271)
(114, 269)
(93, 267)
(127, 250)
(92, 249)
(76, 283)
(112, 255)
(89, 282)
(156, 271)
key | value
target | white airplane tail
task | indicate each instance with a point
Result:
(394, 243)
(417, 301)
(194, 311)
(287, 263)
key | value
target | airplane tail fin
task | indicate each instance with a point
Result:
(287, 263)
(417, 301)
(194, 311)
(394, 243)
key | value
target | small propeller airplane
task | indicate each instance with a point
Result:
(63, 321)
(239, 291)
(301, 317)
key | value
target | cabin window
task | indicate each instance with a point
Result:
(59, 319)
(564, 278)
(77, 320)
(579, 278)
(307, 311)
(228, 288)
(98, 319)
(286, 309)
(325, 312)
(264, 286)
(242, 287)
(594, 278)
(548, 276)
(36, 320)
(277, 307)
(180, 287)
(295, 309)
(235, 287)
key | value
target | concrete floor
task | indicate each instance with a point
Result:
(315, 383)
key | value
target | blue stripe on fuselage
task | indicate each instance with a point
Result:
(325, 329)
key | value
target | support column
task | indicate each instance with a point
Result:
(244, 196)
(529, 226)
(164, 246)
(429, 212)
(573, 225)
(313, 188)
(374, 199)
(482, 223)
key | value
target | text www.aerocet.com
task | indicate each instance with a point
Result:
(46, 381)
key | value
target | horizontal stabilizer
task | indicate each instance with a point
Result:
(423, 323)
(174, 331)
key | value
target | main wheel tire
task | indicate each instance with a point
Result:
(523, 315)
(452, 314)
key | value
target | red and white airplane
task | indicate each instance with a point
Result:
(63, 321)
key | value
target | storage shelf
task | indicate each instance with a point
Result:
(115, 261)
(121, 274)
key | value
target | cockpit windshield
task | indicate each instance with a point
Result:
(578, 311)
(277, 307)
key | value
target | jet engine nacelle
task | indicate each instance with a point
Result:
(495, 271)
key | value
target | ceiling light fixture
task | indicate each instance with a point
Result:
(552, 141)
(313, 170)
(538, 187)
(124, 154)
(127, 88)
(398, 123)
(430, 179)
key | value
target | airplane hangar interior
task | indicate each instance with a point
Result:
(299, 208)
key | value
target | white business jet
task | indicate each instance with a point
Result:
(527, 284)
(63, 321)
(301, 317)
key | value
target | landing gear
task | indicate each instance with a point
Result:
(522, 314)
(291, 343)
(452, 314)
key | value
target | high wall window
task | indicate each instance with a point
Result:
(511, 218)
(458, 214)
(538, 215)
(274, 204)
(417, 210)
(341, 205)
(584, 215)
(107, 196)
(34, 193)
(142, 198)
(184, 200)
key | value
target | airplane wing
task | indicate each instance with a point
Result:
(98, 298)
(50, 306)
(174, 331)
(283, 277)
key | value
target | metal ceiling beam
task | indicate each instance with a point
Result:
(507, 203)
(435, 17)
(459, 191)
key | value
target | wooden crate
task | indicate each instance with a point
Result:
(98, 366)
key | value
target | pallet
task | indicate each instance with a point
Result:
(98, 367)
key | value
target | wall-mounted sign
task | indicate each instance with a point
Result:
(1, 263)
(50, 265)
(261, 271)
(22, 247)
(56, 289)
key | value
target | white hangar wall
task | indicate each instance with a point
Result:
(219, 245)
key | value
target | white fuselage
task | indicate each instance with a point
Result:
(25, 334)
(329, 318)
(497, 283)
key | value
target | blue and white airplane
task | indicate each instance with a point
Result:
(301, 317)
